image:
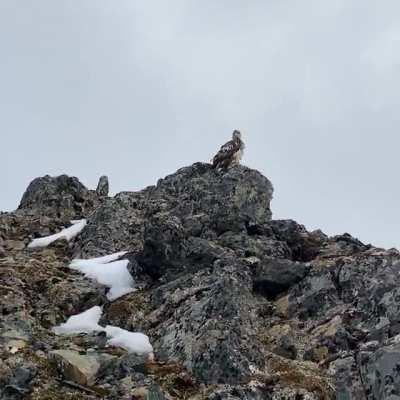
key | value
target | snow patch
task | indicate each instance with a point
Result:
(85, 322)
(112, 272)
(107, 259)
(133, 342)
(106, 271)
(88, 322)
(67, 233)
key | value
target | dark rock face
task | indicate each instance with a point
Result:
(117, 225)
(348, 380)
(259, 246)
(161, 221)
(314, 296)
(207, 321)
(274, 276)
(230, 200)
(373, 280)
(103, 186)
(303, 245)
(61, 197)
(236, 305)
(20, 382)
(380, 372)
(199, 204)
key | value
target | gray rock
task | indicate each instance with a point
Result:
(286, 347)
(231, 200)
(380, 372)
(313, 296)
(301, 244)
(117, 225)
(130, 363)
(203, 199)
(15, 328)
(155, 393)
(27, 223)
(20, 383)
(343, 245)
(274, 276)
(169, 253)
(103, 186)
(76, 295)
(196, 201)
(207, 321)
(80, 368)
(347, 379)
(163, 245)
(372, 280)
(60, 197)
(259, 246)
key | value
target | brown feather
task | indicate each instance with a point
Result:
(226, 154)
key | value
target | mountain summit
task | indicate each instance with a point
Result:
(189, 290)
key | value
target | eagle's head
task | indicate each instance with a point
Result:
(236, 135)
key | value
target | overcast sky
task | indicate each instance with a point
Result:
(137, 89)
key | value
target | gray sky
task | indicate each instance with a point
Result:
(136, 89)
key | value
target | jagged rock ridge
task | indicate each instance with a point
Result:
(237, 305)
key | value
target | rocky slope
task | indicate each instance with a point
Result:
(236, 305)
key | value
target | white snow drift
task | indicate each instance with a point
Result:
(108, 272)
(85, 322)
(112, 272)
(133, 342)
(105, 259)
(88, 321)
(67, 233)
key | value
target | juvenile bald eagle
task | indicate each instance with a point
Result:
(230, 153)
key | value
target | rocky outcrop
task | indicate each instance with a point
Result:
(380, 372)
(275, 276)
(117, 225)
(207, 321)
(103, 186)
(61, 197)
(236, 305)
(194, 202)
(80, 368)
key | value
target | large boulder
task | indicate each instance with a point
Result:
(207, 321)
(80, 368)
(231, 200)
(259, 246)
(159, 222)
(314, 296)
(303, 245)
(348, 381)
(103, 186)
(19, 383)
(58, 197)
(117, 225)
(274, 276)
(370, 282)
(380, 373)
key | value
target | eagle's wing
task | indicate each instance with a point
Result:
(226, 152)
